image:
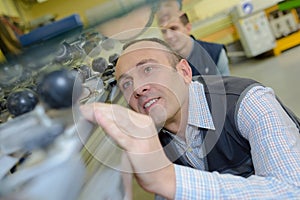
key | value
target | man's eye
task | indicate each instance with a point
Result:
(174, 28)
(148, 69)
(163, 31)
(126, 85)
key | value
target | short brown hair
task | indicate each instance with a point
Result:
(184, 19)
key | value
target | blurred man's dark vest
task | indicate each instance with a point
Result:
(213, 50)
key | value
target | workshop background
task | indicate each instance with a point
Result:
(261, 37)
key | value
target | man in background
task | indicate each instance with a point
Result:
(210, 58)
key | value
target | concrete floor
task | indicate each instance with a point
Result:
(282, 73)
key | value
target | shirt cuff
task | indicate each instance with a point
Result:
(195, 184)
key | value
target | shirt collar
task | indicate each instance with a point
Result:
(189, 56)
(199, 113)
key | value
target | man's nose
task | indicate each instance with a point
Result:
(141, 90)
(168, 33)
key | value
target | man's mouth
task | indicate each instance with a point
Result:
(150, 103)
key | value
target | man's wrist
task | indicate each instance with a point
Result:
(165, 182)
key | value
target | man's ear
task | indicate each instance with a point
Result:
(189, 27)
(185, 70)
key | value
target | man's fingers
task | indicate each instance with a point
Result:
(88, 112)
(99, 114)
(128, 121)
(128, 128)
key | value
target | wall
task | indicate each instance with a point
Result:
(200, 10)
(212, 21)
(58, 8)
(88, 10)
(7, 7)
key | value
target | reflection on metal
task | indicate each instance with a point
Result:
(49, 144)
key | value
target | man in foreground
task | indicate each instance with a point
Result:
(249, 149)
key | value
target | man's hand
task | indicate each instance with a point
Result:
(137, 135)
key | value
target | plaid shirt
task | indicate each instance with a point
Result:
(275, 150)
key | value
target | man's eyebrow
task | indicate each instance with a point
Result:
(123, 76)
(142, 62)
(145, 61)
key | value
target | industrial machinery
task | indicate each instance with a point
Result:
(47, 149)
(253, 27)
(43, 135)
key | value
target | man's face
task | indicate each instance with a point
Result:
(174, 32)
(150, 85)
